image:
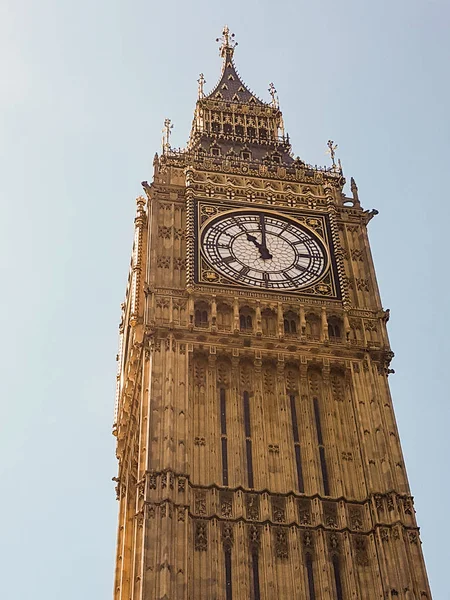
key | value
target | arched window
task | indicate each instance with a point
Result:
(239, 130)
(215, 151)
(263, 133)
(215, 127)
(334, 328)
(201, 315)
(251, 132)
(245, 321)
(227, 129)
(290, 322)
(246, 155)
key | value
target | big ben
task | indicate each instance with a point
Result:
(259, 456)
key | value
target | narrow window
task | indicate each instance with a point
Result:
(248, 322)
(251, 131)
(255, 569)
(242, 321)
(248, 441)
(297, 450)
(310, 573)
(286, 326)
(323, 464)
(223, 431)
(337, 578)
(239, 130)
(228, 581)
(215, 128)
(227, 129)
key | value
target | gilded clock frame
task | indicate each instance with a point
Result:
(327, 286)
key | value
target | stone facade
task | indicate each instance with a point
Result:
(258, 451)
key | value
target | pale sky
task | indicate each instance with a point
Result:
(84, 90)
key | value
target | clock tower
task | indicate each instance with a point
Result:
(258, 452)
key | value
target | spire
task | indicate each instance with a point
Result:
(231, 88)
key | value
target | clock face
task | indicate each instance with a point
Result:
(262, 249)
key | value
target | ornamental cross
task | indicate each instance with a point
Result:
(168, 126)
(227, 41)
(201, 82)
(273, 93)
(332, 151)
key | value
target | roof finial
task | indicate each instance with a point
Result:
(201, 82)
(273, 93)
(227, 42)
(166, 135)
(332, 147)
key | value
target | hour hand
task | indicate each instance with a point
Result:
(251, 238)
(265, 254)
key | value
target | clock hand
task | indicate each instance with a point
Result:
(263, 250)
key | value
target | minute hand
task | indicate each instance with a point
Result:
(265, 254)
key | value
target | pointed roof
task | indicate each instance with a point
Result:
(230, 87)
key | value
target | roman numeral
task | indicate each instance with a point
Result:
(229, 259)
(244, 271)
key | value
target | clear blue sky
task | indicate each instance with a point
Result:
(84, 89)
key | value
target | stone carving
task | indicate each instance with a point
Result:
(330, 514)
(252, 505)
(151, 511)
(181, 514)
(199, 441)
(279, 510)
(226, 505)
(379, 503)
(360, 546)
(227, 536)
(153, 480)
(246, 377)
(413, 537)
(333, 542)
(163, 262)
(308, 540)
(200, 503)
(268, 381)
(181, 484)
(164, 232)
(304, 509)
(362, 284)
(281, 543)
(254, 538)
(274, 448)
(140, 519)
(199, 374)
(347, 456)
(357, 254)
(384, 534)
(408, 506)
(200, 536)
(179, 234)
(356, 521)
(222, 374)
(179, 264)
(337, 387)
